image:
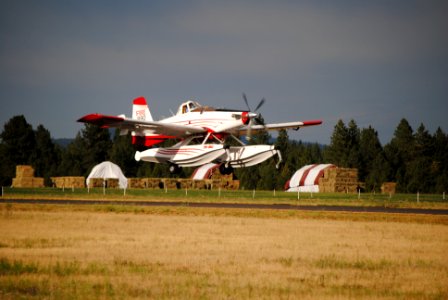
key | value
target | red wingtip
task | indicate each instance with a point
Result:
(312, 122)
(140, 101)
(100, 120)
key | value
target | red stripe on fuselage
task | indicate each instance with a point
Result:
(149, 141)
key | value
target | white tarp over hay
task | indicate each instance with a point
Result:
(306, 179)
(107, 170)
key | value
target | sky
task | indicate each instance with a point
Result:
(375, 62)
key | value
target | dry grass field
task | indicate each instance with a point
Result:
(106, 252)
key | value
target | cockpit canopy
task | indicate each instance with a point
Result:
(187, 107)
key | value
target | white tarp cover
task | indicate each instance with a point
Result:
(107, 170)
(204, 172)
(306, 179)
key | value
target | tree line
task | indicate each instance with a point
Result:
(416, 161)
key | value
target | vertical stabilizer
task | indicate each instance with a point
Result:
(140, 110)
(144, 137)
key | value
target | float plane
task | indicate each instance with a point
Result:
(202, 131)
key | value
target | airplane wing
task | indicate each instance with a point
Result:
(120, 122)
(279, 126)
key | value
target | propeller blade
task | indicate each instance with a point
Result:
(245, 100)
(254, 117)
(260, 104)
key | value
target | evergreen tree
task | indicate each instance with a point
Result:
(337, 150)
(122, 153)
(16, 147)
(344, 147)
(399, 154)
(97, 142)
(421, 177)
(373, 168)
(353, 145)
(7, 171)
(46, 156)
(283, 174)
(440, 163)
(18, 140)
(282, 141)
(89, 148)
(73, 158)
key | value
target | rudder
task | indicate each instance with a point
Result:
(140, 110)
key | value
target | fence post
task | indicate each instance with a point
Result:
(418, 197)
(253, 194)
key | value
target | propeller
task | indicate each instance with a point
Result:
(253, 116)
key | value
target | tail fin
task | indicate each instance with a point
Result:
(140, 110)
(144, 137)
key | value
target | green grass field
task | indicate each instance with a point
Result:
(240, 196)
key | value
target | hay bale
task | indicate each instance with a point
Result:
(135, 183)
(28, 182)
(24, 171)
(37, 182)
(339, 180)
(388, 187)
(171, 183)
(96, 182)
(154, 183)
(186, 183)
(69, 181)
(25, 178)
(201, 185)
(112, 183)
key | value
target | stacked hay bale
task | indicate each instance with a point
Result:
(186, 183)
(223, 182)
(388, 188)
(25, 178)
(202, 184)
(69, 182)
(96, 182)
(135, 183)
(146, 183)
(153, 183)
(339, 180)
(112, 183)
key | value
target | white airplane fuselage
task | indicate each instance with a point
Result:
(202, 131)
